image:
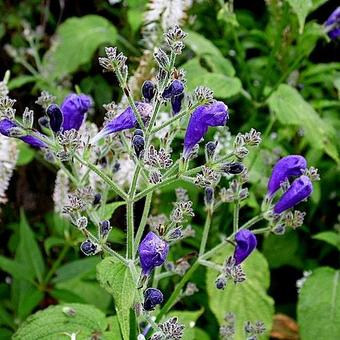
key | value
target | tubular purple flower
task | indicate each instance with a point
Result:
(152, 252)
(174, 89)
(245, 244)
(299, 190)
(74, 108)
(332, 24)
(176, 103)
(285, 168)
(125, 120)
(5, 129)
(215, 114)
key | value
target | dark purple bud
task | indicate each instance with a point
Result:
(332, 24)
(55, 116)
(5, 128)
(138, 143)
(215, 114)
(125, 120)
(97, 198)
(74, 108)
(220, 282)
(285, 168)
(152, 298)
(148, 90)
(299, 190)
(245, 243)
(208, 196)
(88, 248)
(174, 89)
(138, 132)
(152, 252)
(105, 228)
(234, 168)
(43, 122)
(176, 103)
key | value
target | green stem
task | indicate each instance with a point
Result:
(261, 230)
(205, 232)
(236, 216)
(57, 263)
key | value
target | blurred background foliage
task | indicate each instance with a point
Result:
(273, 65)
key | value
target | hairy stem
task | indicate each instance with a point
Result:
(205, 232)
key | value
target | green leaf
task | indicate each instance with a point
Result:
(53, 241)
(29, 250)
(301, 8)
(291, 109)
(54, 322)
(15, 269)
(20, 81)
(188, 319)
(106, 211)
(286, 247)
(117, 279)
(318, 307)
(220, 65)
(249, 300)
(200, 45)
(331, 237)
(77, 40)
(26, 154)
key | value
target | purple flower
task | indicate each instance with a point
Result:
(152, 252)
(5, 129)
(55, 117)
(125, 120)
(332, 24)
(299, 190)
(245, 243)
(176, 103)
(74, 108)
(148, 90)
(174, 89)
(285, 168)
(152, 298)
(215, 114)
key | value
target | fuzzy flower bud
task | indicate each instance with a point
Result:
(233, 168)
(215, 114)
(55, 116)
(174, 89)
(245, 243)
(299, 190)
(138, 143)
(148, 90)
(152, 298)
(152, 252)
(176, 103)
(88, 248)
(285, 168)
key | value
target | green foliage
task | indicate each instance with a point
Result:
(106, 211)
(319, 305)
(249, 300)
(330, 237)
(117, 279)
(58, 321)
(26, 154)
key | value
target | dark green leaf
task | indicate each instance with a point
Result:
(107, 210)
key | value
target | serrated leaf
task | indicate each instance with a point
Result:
(30, 254)
(331, 237)
(77, 40)
(53, 322)
(318, 307)
(249, 300)
(106, 211)
(117, 279)
(291, 109)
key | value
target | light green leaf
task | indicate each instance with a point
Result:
(200, 45)
(106, 211)
(20, 81)
(291, 109)
(30, 255)
(331, 237)
(117, 280)
(301, 8)
(54, 322)
(26, 154)
(188, 319)
(53, 241)
(77, 40)
(318, 307)
(16, 269)
(220, 65)
(249, 300)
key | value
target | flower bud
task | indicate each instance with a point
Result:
(138, 143)
(233, 168)
(152, 298)
(55, 116)
(245, 243)
(148, 90)
(210, 148)
(285, 168)
(220, 282)
(43, 122)
(209, 196)
(152, 252)
(105, 228)
(82, 223)
(279, 229)
(97, 198)
(299, 190)
(176, 103)
(174, 89)
(28, 118)
(88, 248)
